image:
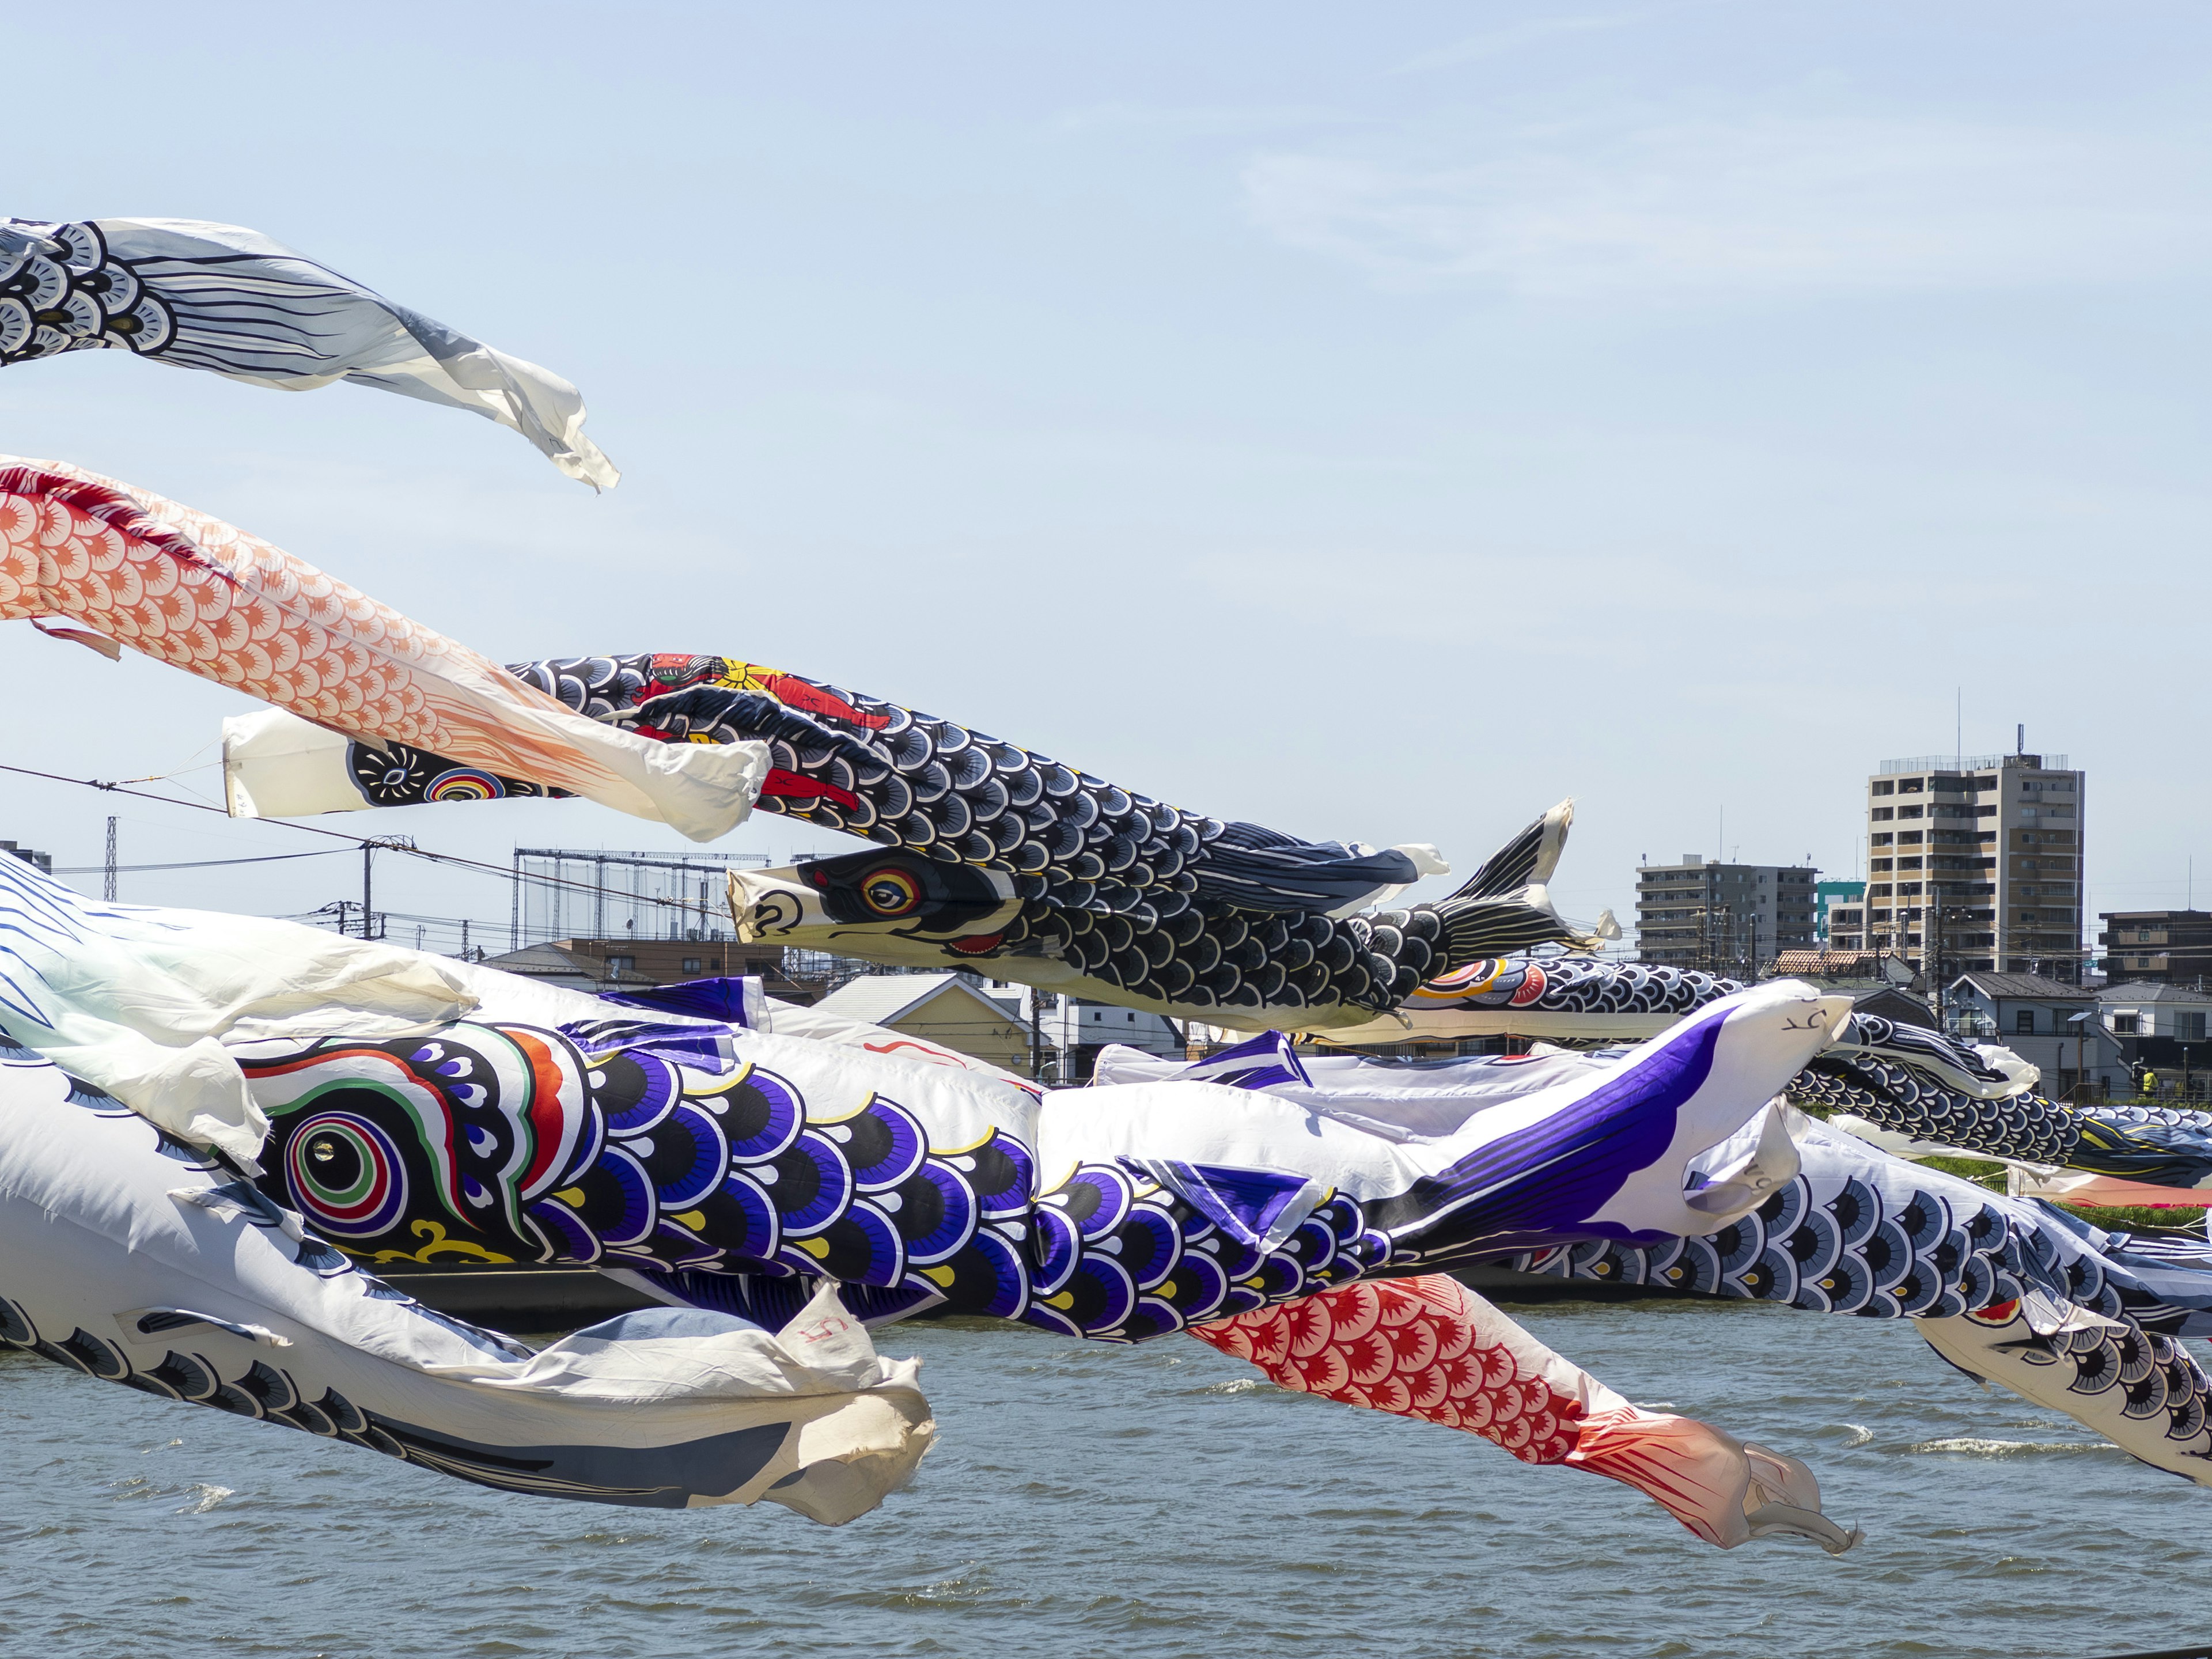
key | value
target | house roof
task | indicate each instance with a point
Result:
(2152, 990)
(552, 962)
(2023, 988)
(886, 999)
(1891, 1003)
(1832, 965)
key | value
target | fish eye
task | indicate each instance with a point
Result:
(890, 893)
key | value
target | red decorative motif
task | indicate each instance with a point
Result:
(1406, 1347)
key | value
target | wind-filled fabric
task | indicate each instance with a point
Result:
(988, 851)
(124, 1255)
(192, 591)
(195, 295)
(1431, 1348)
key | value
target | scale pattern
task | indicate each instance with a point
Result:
(1893, 1096)
(505, 1143)
(1570, 985)
(1139, 897)
(1406, 1347)
(2140, 1389)
(1431, 1348)
(1833, 1244)
(61, 291)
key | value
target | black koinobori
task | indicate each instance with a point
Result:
(993, 856)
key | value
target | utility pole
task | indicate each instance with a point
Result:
(1931, 945)
(368, 857)
(107, 882)
(1036, 1035)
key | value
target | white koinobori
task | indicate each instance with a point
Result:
(1748, 1046)
(123, 1256)
(136, 1001)
(197, 294)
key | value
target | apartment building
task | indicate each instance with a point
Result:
(2168, 947)
(1829, 896)
(1973, 864)
(1725, 918)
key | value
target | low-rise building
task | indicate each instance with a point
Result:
(1841, 965)
(1077, 1030)
(1724, 918)
(2055, 1027)
(2172, 947)
(618, 964)
(2161, 1029)
(557, 965)
(953, 1009)
(2149, 1008)
(43, 862)
(1828, 895)
(671, 960)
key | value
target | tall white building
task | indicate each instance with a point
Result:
(1975, 861)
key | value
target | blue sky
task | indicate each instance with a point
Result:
(1377, 422)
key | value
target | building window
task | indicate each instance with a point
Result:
(1884, 789)
(2125, 1024)
(621, 964)
(694, 965)
(2023, 1021)
(1883, 814)
(2190, 1027)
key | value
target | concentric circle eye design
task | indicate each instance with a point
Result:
(466, 783)
(345, 1172)
(891, 892)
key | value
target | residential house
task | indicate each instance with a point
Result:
(2162, 1027)
(2054, 1026)
(952, 1010)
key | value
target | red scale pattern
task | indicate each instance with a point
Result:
(1404, 1346)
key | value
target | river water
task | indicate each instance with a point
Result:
(1161, 1501)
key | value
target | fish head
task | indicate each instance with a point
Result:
(886, 904)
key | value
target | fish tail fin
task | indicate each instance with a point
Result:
(1505, 907)
(1471, 929)
(1530, 857)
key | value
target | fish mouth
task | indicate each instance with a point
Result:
(764, 908)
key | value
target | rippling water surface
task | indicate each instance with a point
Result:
(1161, 1501)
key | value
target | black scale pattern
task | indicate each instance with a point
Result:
(1114, 883)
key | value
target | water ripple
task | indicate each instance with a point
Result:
(1165, 1502)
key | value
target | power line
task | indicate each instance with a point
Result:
(387, 843)
(197, 864)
